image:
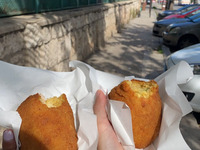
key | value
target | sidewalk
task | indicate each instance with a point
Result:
(133, 52)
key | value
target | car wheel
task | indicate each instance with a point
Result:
(186, 41)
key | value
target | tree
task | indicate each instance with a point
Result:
(169, 5)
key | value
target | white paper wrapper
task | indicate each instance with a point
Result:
(17, 83)
(80, 86)
(175, 106)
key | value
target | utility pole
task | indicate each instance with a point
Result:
(150, 7)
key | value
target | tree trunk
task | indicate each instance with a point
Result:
(166, 5)
(171, 6)
(195, 1)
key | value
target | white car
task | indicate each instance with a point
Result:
(191, 89)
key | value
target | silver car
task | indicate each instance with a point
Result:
(191, 89)
(181, 35)
(160, 26)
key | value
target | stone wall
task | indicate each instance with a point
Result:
(50, 40)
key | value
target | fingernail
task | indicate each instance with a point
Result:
(98, 93)
(8, 135)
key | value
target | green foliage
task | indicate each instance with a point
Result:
(159, 49)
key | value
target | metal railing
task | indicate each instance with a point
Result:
(20, 7)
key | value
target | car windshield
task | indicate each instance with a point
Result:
(193, 15)
(185, 8)
(197, 19)
(189, 10)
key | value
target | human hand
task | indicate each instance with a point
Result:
(107, 137)
(9, 140)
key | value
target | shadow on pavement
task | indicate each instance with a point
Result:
(133, 52)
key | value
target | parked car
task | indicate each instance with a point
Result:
(191, 89)
(161, 25)
(182, 15)
(178, 11)
(181, 35)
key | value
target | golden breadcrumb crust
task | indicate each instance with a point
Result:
(145, 104)
(47, 125)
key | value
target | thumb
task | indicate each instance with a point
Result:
(9, 142)
(100, 104)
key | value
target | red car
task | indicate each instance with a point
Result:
(185, 14)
